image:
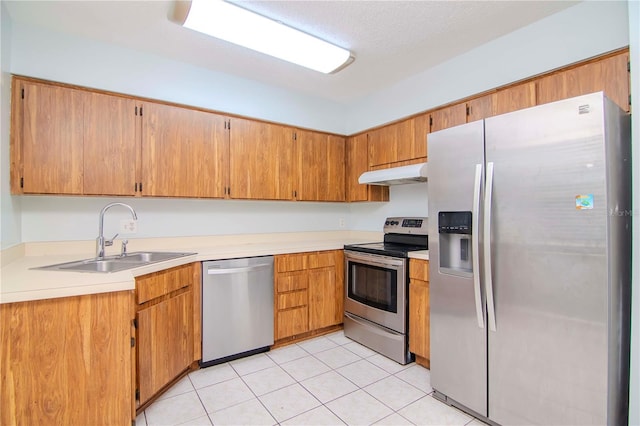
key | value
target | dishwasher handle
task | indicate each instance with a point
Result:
(226, 271)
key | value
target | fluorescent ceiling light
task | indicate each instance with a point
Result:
(236, 25)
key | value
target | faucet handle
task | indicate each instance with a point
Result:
(109, 243)
(123, 251)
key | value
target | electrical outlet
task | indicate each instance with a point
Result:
(342, 223)
(128, 226)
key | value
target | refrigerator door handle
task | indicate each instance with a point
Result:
(487, 248)
(475, 245)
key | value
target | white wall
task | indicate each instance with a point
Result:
(576, 33)
(10, 217)
(42, 53)
(634, 47)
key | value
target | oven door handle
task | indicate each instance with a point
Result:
(367, 261)
(475, 245)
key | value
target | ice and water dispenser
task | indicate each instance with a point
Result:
(454, 233)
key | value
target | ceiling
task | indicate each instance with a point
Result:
(391, 40)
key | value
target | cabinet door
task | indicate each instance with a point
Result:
(291, 322)
(479, 108)
(184, 152)
(357, 163)
(321, 165)
(419, 318)
(322, 298)
(165, 343)
(447, 117)
(420, 129)
(52, 139)
(110, 145)
(609, 75)
(261, 160)
(392, 143)
(67, 361)
(514, 98)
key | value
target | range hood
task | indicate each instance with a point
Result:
(395, 175)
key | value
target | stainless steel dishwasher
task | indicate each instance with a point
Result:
(237, 308)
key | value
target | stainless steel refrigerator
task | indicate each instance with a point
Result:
(530, 264)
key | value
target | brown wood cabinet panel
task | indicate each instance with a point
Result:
(321, 166)
(67, 361)
(609, 75)
(110, 145)
(184, 152)
(292, 299)
(357, 162)
(291, 322)
(165, 343)
(450, 116)
(290, 281)
(321, 259)
(479, 108)
(157, 284)
(514, 98)
(322, 298)
(391, 143)
(421, 127)
(261, 160)
(52, 139)
(419, 339)
(419, 318)
(291, 262)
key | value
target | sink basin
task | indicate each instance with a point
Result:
(115, 263)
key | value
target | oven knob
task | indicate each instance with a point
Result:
(387, 223)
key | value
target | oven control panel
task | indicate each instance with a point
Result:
(406, 225)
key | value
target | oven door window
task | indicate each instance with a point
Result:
(373, 286)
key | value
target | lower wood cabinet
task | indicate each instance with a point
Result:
(419, 310)
(165, 328)
(308, 293)
(67, 361)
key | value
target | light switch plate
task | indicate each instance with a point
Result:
(128, 226)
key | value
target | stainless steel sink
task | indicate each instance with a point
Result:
(115, 263)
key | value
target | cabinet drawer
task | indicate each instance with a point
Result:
(163, 282)
(291, 262)
(292, 322)
(292, 300)
(291, 281)
(321, 259)
(419, 269)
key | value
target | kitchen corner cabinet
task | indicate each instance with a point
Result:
(320, 166)
(261, 160)
(308, 294)
(357, 162)
(165, 320)
(185, 152)
(68, 361)
(419, 310)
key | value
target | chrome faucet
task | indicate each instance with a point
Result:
(100, 241)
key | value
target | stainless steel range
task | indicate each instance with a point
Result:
(377, 287)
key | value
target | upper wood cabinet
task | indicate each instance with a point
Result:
(392, 143)
(48, 130)
(261, 160)
(357, 162)
(185, 152)
(321, 167)
(111, 151)
(610, 75)
(514, 98)
(479, 108)
(69, 141)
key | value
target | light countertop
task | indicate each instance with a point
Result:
(422, 254)
(20, 283)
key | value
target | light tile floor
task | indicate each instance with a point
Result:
(329, 380)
